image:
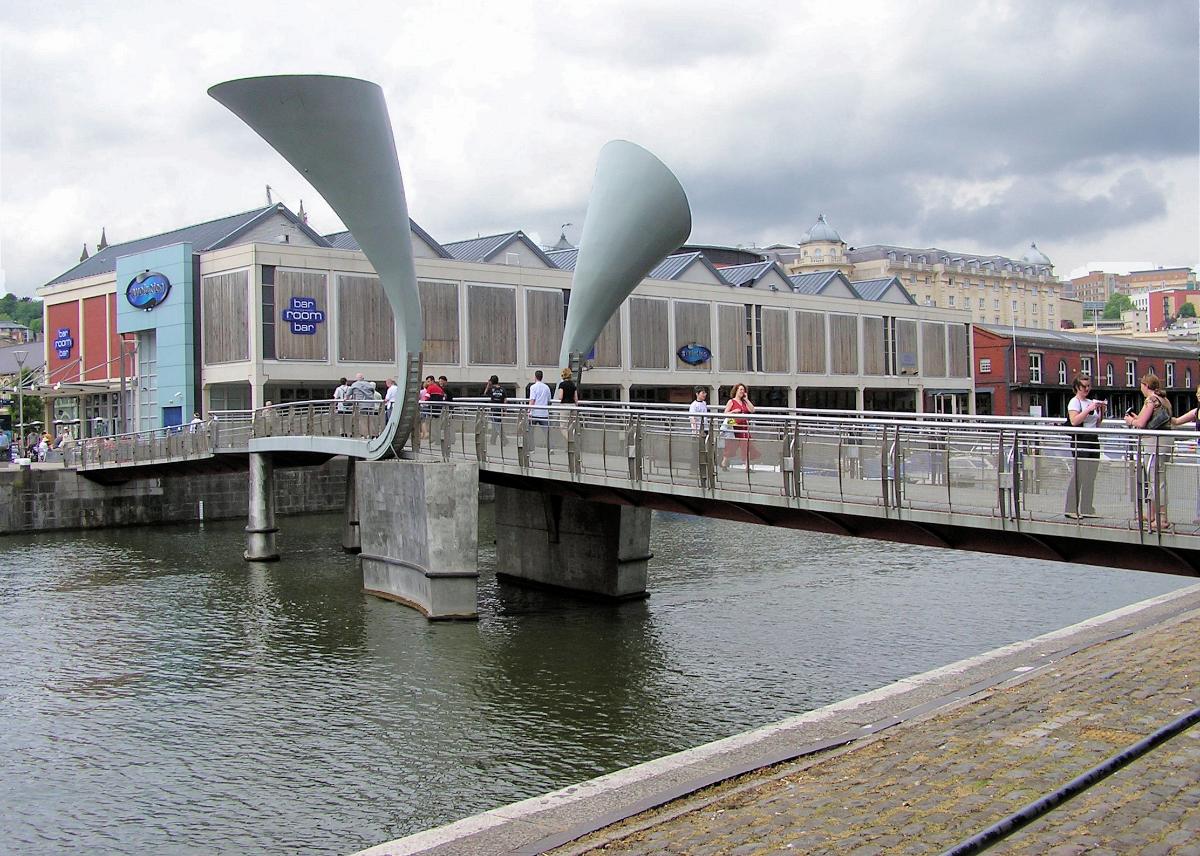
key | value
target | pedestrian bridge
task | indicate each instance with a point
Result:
(972, 483)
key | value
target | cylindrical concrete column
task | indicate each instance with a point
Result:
(260, 533)
(351, 540)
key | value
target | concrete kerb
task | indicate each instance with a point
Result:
(541, 823)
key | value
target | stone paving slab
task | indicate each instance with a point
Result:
(912, 767)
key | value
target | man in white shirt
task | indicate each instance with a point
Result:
(700, 405)
(389, 398)
(539, 397)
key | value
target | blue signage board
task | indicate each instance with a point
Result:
(63, 343)
(694, 354)
(304, 316)
(147, 290)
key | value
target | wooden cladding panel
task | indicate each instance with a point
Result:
(843, 344)
(960, 351)
(874, 355)
(224, 305)
(439, 311)
(492, 314)
(906, 347)
(543, 327)
(810, 342)
(731, 338)
(296, 346)
(608, 346)
(648, 336)
(366, 326)
(933, 346)
(693, 323)
(776, 343)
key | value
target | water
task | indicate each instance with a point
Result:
(159, 695)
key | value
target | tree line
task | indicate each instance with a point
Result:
(22, 310)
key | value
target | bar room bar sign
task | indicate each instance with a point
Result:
(304, 316)
(63, 343)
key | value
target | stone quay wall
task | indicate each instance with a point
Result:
(42, 499)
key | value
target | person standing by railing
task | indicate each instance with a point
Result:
(697, 408)
(1083, 412)
(495, 393)
(1154, 415)
(1192, 417)
(739, 403)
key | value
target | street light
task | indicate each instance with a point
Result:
(21, 357)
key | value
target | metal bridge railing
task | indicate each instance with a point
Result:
(1012, 470)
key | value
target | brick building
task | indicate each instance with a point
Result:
(1047, 362)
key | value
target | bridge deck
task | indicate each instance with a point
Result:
(985, 485)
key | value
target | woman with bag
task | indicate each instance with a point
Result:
(1192, 417)
(1155, 415)
(739, 403)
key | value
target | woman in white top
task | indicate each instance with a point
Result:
(1083, 412)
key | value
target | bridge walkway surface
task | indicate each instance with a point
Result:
(915, 767)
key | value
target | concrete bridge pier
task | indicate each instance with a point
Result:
(261, 528)
(418, 527)
(558, 542)
(351, 542)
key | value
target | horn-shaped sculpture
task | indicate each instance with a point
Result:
(335, 131)
(637, 214)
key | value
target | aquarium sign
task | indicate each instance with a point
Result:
(147, 290)
(63, 343)
(304, 316)
(694, 354)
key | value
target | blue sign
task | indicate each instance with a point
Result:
(694, 354)
(304, 316)
(147, 290)
(63, 343)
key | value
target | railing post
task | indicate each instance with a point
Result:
(633, 447)
(788, 464)
(523, 429)
(574, 464)
(481, 425)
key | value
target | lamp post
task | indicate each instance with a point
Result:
(21, 357)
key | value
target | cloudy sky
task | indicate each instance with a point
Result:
(971, 126)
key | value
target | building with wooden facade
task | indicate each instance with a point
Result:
(258, 307)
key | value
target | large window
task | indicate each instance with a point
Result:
(1085, 366)
(1108, 375)
(1131, 378)
(1035, 368)
(1062, 372)
(147, 378)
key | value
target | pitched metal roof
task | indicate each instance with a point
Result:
(346, 241)
(816, 282)
(485, 248)
(875, 289)
(1088, 341)
(674, 266)
(747, 275)
(211, 235)
(564, 259)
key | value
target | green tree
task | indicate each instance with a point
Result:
(1188, 310)
(1116, 304)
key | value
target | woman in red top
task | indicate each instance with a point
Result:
(739, 445)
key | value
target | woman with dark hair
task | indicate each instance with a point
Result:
(1154, 415)
(739, 403)
(1083, 412)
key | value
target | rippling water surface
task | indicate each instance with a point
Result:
(158, 694)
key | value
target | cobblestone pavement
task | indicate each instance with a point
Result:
(927, 784)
